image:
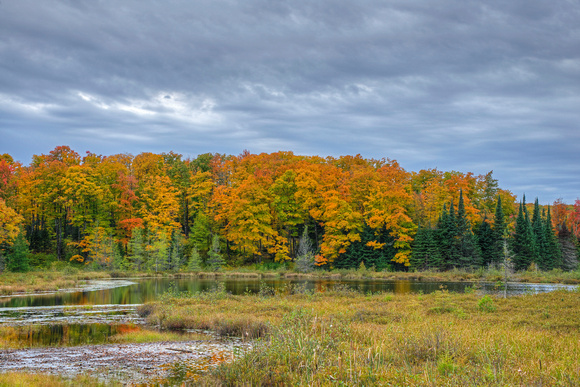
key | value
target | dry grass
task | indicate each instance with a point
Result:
(24, 379)
(343, 337)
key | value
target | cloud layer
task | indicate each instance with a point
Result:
(457, 85)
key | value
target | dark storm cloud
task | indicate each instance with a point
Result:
(458, 85)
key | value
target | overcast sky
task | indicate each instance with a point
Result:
(453, 84)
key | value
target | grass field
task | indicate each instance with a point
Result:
(342, 337)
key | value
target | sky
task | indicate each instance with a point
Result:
(462, 85)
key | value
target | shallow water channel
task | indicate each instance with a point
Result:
(76, 329)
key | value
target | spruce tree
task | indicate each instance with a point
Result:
(523, 245)
(419, 257)
(194, 260)
(499, 228)
(553, 254)
(468, 252)
(486, 242)
(445, 235)
(136, 256)
(176, 253)
(215, 259)
(18, 258)
(539, 231)
(360, 251)
(426, 254)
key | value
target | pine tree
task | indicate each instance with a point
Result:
(446, 233)
(200, 234)
(361, 251)
(553, 254)
(539, 231)
(523, 244)
(468, 254)
(426, 253)
(419, 256)
(215, 259)
(136, 249)
(176, 253)
(159, 254)
(18, 258)
(194, 260)
(499, 228)
(486, 242)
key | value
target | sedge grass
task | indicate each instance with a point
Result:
(344, 337)
(11, 379)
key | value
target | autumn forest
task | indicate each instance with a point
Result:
(158, 212)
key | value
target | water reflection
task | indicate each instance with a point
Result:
(60, 335)
(145, 290)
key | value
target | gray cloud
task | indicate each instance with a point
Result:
(458, 85)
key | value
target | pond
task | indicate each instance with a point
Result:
(57, 333)
(138, 291)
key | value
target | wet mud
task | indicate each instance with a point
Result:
(126, 363)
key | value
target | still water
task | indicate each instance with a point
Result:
(139, 291)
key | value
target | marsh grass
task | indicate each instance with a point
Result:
(11, 379)
(349, 338)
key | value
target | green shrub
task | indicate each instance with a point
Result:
(485, 304)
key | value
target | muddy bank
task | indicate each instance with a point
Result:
(91, 285)
(92, 314)
(127, 363)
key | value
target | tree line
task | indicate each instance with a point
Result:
(167, 212)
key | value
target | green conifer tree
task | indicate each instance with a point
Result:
(499, 229)
(468, 254)
(18, 259)
(176, 254)
(445, 236)
(215, 259)
(539, 230)
(554, 254)
(523, 244)
(194, 260)
(419, 255)
(486, 242)
(136, 247)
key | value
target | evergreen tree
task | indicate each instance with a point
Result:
(419, 256)
(553, 253)
(468, 254)
(18, 258)
(194, 260)
(486, 242)
(136, 256)
(159, 253)
(446, 233)
(360, 251)
(2, 261)
(539, 231)
(426, 252)
(200, 234)
(523, 244)
(499, 228)
(305, 256)
(215, 259)
(176, 253)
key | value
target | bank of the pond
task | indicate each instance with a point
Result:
(74, 279)
(344, 337)
(137, 364)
